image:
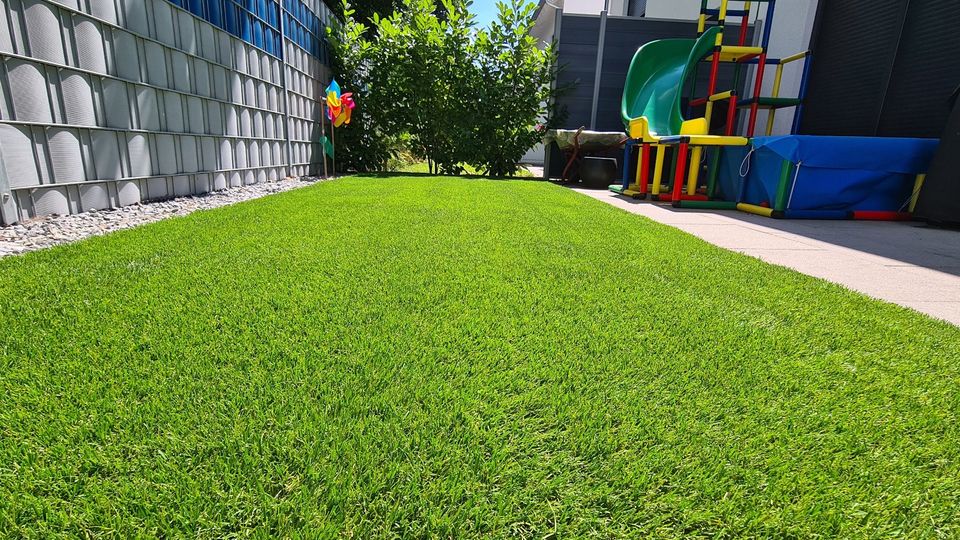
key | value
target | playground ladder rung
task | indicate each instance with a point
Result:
(730, 12)
(770, 102)
(755, 61)
(733, 53)
(704, 140)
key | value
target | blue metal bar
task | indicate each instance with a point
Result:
(768, 24)
(730, 12)
(755, 61)
(627, 147)
(817, 214)
(804, 79)
(674, 139)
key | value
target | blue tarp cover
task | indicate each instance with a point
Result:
(836, 173)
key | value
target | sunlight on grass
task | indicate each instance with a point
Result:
(460, 358)
(422, 168)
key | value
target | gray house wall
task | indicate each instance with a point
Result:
(107, 103)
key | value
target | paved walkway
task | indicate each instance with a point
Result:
(904, 263)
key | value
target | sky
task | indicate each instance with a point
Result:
(485, 10)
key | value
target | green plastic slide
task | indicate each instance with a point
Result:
(656, 78)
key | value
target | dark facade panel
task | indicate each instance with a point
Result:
(883, 68)
(940, 197)
(853, 55)
(578, 58)
(925, 73)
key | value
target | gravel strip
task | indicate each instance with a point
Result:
(47, 231)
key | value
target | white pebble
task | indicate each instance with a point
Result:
(47, 231)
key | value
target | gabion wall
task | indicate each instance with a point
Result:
(112, 102)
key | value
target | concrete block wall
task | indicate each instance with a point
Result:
(112, 102)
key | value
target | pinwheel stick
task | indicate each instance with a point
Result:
(323, 135)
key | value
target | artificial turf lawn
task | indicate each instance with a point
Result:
(436, 357)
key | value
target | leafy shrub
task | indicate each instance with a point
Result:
(461, 95)
(515, 89)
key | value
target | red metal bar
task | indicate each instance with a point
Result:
(714, 68)
(746, 58)
(697, 102)
(679, 179)
(880, 215)
(644, 168)
(757, 87)
(731, 114)
(697, 197)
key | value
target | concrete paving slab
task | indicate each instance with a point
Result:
(733, 236)
(904, 263)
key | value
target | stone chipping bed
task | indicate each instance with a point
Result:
(47, 231)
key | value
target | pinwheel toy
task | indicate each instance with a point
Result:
(339, 107)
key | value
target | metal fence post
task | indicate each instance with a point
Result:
(599, 70)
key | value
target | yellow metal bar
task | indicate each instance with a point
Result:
(777, 80)
(772, 113)
(658, 168)
(732, 53)
(718, 140)
(721, 96)
(754, 209)
(702, 23)
(708, 114)
(793, 58)
(771, 116)
(721, 17)
(694, 173)
(917, 186)
(741, 51)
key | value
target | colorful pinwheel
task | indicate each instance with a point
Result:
(339, 107)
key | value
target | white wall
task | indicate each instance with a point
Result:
(618, 7)
(544, 29)
(594, 7)
(585, 7)
(791, 31)
(687, 10)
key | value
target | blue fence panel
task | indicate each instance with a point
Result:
(258, 22)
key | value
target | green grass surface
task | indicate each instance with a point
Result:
(451, 358)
